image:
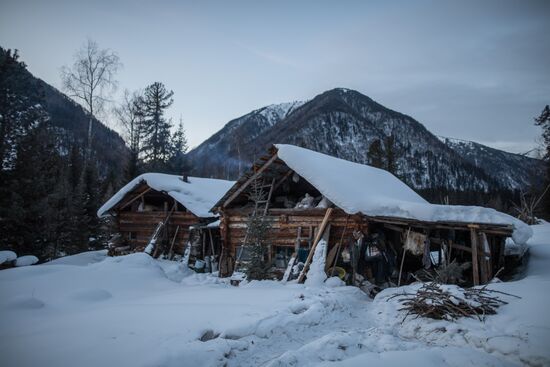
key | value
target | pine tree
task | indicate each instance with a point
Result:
(384, 155)
(543, 120)
(391, 150)
(80, 220)
(92, 201)
(156, 147)
(20, 106)
(179, 162)
(32, 218)
(376, 154)
(179, 140)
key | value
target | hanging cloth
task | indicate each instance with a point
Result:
(426, 261)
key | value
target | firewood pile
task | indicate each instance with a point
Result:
(444, 302)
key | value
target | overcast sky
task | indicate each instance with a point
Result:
(476, 70)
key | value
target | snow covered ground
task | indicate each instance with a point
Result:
(90, 310)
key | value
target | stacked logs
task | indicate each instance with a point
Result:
(438, 302)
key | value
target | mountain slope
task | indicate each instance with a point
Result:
(345, 123)
(515, 171)
(72, 121)
(220, 155)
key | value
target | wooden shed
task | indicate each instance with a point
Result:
(353, 205)
(159, 210)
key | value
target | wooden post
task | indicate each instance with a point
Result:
(487, 254)
(501, 249)
(482, 262)
(170, 252)
(475, 266)
(315, 242)
(211, 242)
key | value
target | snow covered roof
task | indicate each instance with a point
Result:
(358, 188)
(198, 195)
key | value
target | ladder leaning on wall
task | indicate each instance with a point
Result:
(257, 208)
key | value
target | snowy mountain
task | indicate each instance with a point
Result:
(220, 155)
(514, 170)
(345, 123)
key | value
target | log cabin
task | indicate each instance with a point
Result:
(377, 228)
(160, 210)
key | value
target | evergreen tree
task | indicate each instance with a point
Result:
(543, 120)
(75, 167)
(384, 155)
(31, 219)
(391, 150)
(179, 140)
(376, 154)
(179, 162)
(92, 201)
(61, 204)
(80, 220)
(156, 147)
(20, 106)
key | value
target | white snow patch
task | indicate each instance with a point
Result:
(276, 112)
(81, 259)
(316, 275)
(26, 260)
(6, 256)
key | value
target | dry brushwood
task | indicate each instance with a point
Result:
(434, 302)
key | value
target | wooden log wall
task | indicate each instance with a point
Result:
(143, 224)
(285, 224)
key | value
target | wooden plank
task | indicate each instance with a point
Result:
(134, 199)
(288, 270)
(171, 251)
(249, 181)
(279, 183)
(394, 228)
(481, 261)
(487, 253)
(315, 242)
(475, 266)
(460, 247)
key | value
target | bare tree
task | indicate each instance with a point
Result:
(91, 79)
(528, 206)
(130, 117)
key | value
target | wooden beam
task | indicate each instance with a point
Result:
(475, 266)
(394, 228)
(278, 183)
(487, 255)
(249, 181)
(315, 242)
(460, 247)
(135, 198)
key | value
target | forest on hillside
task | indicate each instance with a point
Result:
(60, 163)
